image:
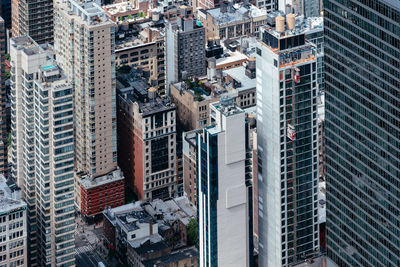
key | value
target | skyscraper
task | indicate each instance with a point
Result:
(34, 19)
(225, 224)
(43, 150)
(287, 145)
(84, 43)
(362, 83)
(3, 98)
(184, 47)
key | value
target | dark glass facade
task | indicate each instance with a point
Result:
(362, 83)
(3, 98)
(208, 177)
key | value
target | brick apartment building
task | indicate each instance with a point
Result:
(101, 193)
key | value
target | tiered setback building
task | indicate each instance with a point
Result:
(43, 150)
(362, 129)
(34, 19)
(223, 195)
(287, 147)
(13, 226)
(84, 42)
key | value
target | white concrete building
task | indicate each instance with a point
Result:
(223, 194)
(287, 146)
(43, 150)
(13, 234)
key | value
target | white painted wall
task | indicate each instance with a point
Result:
(268, 128)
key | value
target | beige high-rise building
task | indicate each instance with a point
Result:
(85, 44)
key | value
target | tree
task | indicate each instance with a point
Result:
(192, 233)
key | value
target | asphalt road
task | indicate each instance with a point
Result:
(86, 259)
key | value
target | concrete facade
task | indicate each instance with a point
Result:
(85, 34)
(287, 148)
(41, 90)
(185, 47)
(13, 226)
(223, 199)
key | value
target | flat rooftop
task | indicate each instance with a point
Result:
(172, 210)
(235, 13)
(120, 8)
(111, 214)
(89, 11)
(153, 242)
(227, 106)
(173, 257)
(89, 182)
(132, 219)
(197, 91)
(9, 197)
(138, 36)
(239, 74)
(230, 58)
(29, 46)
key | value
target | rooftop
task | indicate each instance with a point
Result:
(227, 106)
(146, 98)
(172, 257)
(138, 35)
(148, 244)
(90, 182)
(123, 7)
(111, 213)
(132, 219)
(198, 90)
(239, 74)
(302, 25)
(89, 11)
(190, 137)
(10, 197)
(172, 210)
(230, 58)
(29, 46)
(235, 13)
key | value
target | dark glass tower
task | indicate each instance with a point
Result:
(362, 83)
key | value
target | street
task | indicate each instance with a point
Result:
(86, 241)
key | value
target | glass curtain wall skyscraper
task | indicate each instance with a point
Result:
(362, 83)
